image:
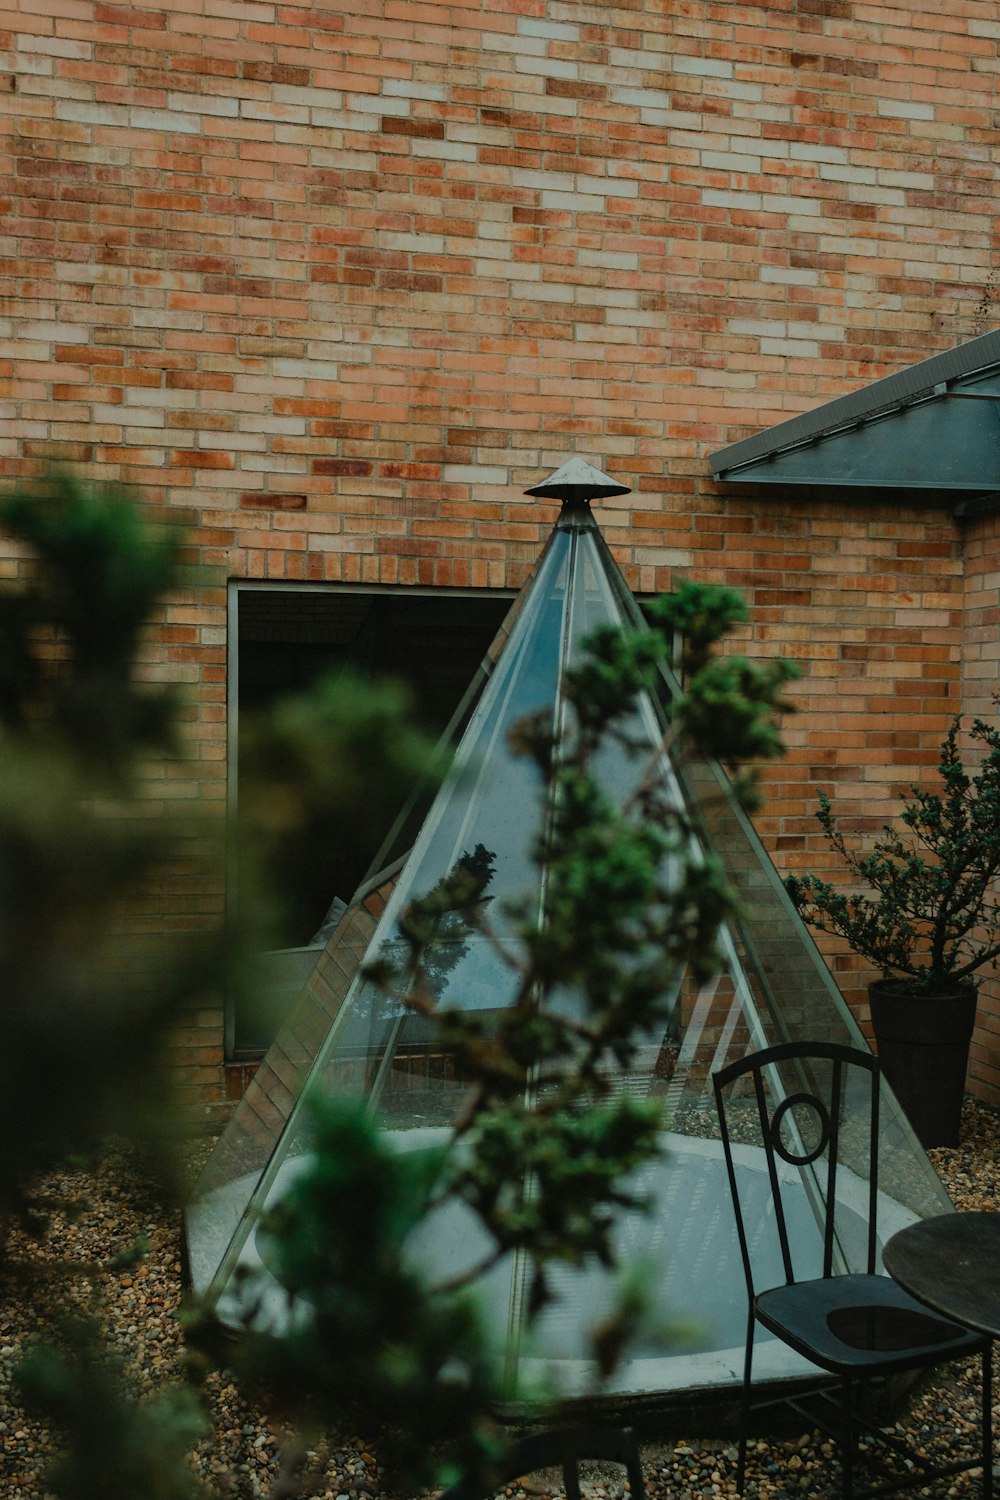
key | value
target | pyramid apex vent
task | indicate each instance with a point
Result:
(577, 482)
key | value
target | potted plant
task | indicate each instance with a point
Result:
(930, 924)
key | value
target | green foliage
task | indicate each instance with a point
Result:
(627, 905)
(69, 634)
(380, 1349)
(92, 979)
(86, 1005)
(132, 1255)
(90, 989)
(697, 615)
(114, 1446)
(88, 1002)
(575, 1159)
(322, 768)
(935, 912)
(731, 707)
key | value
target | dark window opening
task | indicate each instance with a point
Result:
(286, 639)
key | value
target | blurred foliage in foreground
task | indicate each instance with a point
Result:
(543, 1148)
(92, 984)
(87, 1007)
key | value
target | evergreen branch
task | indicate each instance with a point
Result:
(926, 905)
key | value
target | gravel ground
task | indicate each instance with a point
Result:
(96, 1217)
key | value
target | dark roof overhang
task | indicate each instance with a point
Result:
(930, 434)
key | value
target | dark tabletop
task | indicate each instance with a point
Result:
(951, 1263)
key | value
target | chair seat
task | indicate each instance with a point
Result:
(857, 1322)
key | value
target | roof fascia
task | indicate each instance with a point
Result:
(931, 379)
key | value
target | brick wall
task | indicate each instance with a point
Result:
(342, 279)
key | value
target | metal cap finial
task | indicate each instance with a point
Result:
(577, 482)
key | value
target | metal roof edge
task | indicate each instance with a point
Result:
(961, 504)
(878, 398)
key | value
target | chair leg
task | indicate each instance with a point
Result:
(847, 1439)
(987, 1417)
(741, 1462)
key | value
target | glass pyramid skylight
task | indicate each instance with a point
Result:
(344, 1036)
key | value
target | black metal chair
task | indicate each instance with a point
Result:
(853, 1324)
(562, 1448)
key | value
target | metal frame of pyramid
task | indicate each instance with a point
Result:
(344, 1037)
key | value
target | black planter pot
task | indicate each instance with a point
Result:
(923, 1048)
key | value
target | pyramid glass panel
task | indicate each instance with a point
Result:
(347, 1038)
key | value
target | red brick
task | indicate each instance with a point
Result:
(428, 130)
(201, 458)
(251, 500)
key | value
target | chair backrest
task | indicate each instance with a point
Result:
(789, 1105)
(562, 1448)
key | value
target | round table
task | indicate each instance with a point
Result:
(952, 1264)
